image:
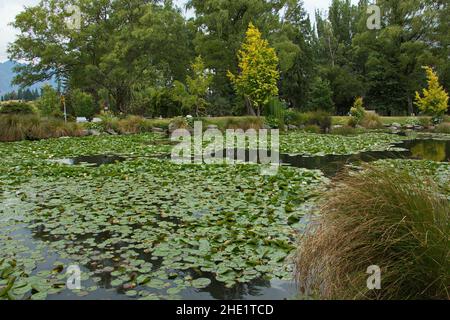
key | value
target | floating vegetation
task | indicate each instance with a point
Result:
(146, 228)
(310, 144)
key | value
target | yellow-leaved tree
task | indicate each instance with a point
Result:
(434, 101)
(258, 71)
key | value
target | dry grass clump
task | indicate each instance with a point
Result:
(33, 127)
(379, 217)
(372, 121)
(244, 123)
(443, 128)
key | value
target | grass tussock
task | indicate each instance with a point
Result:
(443, 128)
(379, 217)
(371, 121)
(244, 123)
(33, 127)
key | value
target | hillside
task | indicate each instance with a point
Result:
(7, 75)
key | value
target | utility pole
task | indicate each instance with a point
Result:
(63, 100)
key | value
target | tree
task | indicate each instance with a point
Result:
(321, 96)
(199, 84)
(258, 64)
(120, 43)
(49, 104)
(435, 99)
(221, 25)
(294, 45)
(83, 104)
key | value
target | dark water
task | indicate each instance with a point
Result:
(95, 160)
(434, 150)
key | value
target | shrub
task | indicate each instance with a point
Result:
(83, 104)
(49, 104)
(443, 128)
(383, 217)
(17, 108)
(109, 121)
(357, 111)
(434, 101)
(312, 128)
(425, 122)
(321, 96)
(321, 119)
(275, 112)
(352, 122)
(371, 121)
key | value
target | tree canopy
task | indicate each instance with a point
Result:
(135, 56)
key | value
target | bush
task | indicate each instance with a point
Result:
(434, 99)
(83, 104)
(17, 108)
(312, 128)
(381, 217)
(357, 111)
(321, 96)
(321, 119)
(109, 121)
(443, 128)
(371, 121)
(49, 104)
(275, 112)
(425, 122)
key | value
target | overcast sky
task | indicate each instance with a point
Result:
(10, 8)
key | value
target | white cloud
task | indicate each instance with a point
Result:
(9, 9)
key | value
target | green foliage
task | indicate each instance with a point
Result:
(49, 104)
(321, 96)
(312, 128)
(16, 108)
(136, 43)
(320, 118)
(198, 85)
(275, 113)
(357, 111)
(258, 66)
(83, 104)
(434, 101)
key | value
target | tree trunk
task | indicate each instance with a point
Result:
(410, 106)
(250, 109)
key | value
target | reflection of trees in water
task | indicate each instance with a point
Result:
(431, 150)
(254, 288)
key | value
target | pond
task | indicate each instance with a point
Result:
(142, 227)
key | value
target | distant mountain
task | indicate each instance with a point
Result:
(7, 74)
